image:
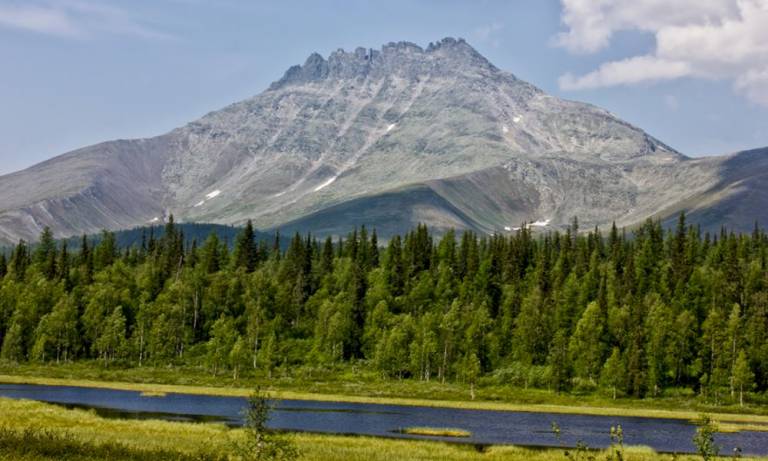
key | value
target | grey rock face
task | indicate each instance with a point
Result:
(387, 138)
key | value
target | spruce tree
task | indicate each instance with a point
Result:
(246, 252)
(3, 265)
(20, 260)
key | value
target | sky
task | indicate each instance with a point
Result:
(693, 73)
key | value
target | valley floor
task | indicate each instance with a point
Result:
(37, 431)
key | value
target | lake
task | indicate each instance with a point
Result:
(487, 426)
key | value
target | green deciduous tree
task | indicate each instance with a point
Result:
(742, 378)
(612, 375)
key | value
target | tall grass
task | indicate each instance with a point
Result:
(48, 444)
(38, 431)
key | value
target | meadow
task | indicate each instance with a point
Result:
(37, 431)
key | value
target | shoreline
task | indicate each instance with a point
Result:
(732, 421)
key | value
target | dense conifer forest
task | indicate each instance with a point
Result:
(632, 314)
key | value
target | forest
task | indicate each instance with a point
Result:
(628, 313)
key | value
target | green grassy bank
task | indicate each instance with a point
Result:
(351, 386)
(36, 431)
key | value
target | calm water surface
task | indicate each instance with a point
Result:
(487, 427)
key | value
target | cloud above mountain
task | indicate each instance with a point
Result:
(73, 19)
(711, 39)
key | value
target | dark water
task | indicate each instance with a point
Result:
(487, 427)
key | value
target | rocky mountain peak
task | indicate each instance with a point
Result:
(404, 59)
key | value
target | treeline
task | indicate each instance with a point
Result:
(632, 315)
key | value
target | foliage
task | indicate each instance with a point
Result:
(261, 443)
(635, 315)
(40, 443)
(704, 439)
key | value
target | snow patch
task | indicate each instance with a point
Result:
(505, 128)
(155, 219)
(517, 118)
(391, 127)
(507, 228)
(213, 194)
(539, 223)
(326, 183)
(200, 203)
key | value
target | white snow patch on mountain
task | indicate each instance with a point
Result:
(200, 203)
(541, 223)
(517, 118)
(507, 228)
(505, 128)
(391, 127)
(326, 183)
(213, 194)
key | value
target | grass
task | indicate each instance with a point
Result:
(437, 431)
(349, 389)
(82, 435)
(153, 394)
(726, 427)
(45, 444)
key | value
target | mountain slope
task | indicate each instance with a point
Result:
(386, 138)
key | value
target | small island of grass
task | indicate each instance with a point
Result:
(436, 431)
(153, 394)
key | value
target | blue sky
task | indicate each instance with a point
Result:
(75, 72)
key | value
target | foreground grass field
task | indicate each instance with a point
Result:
(36, 431)
(360, 387)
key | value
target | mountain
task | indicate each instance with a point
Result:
(388, 138)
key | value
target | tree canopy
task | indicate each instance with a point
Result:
(631, 314)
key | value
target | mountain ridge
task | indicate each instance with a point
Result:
(479, 148)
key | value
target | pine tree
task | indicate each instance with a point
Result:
(559, 362)
(85, 260)
(211, 259)
(246, 250)
(20, 261)
(106, 252)
(62, 266)
(45, 254)
(374, 251)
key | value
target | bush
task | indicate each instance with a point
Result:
(518, 374)
(263, 444)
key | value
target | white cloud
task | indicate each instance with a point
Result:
(37, 19)
(73, 18)
(626, 72)
(714, 39)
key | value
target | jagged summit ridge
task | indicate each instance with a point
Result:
(403, 58)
